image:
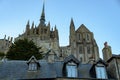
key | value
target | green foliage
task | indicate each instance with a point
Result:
(23, 50)
(1, 54)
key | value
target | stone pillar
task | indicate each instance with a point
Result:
(86, 54)
(96, 53)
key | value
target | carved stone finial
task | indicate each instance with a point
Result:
(105, 44)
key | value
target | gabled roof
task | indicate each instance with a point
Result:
(50, 52)
(71, 58)
(92, 70)
(33, 59)
(100, 61)
(82, 28)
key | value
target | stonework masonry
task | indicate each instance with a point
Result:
(5, 44)
(81, 41)
(82, 50)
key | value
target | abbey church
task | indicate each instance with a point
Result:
(82, 43)
(77, 61)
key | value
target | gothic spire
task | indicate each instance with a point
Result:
(42, 19)
(72, 24)
(28, 23)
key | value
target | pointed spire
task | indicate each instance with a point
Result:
(72, 23)
(49, 23)
(33, 24)
(5, 37)
(28, 23)
(52, 29)
(27, 28)
(55, 28)
(42, 19)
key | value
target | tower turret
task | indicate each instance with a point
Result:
(32, 29)
(27, 28)
(72, 38)
(107, 53)
(72, 31)
(56, 33)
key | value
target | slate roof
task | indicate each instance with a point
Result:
(71, 58)
(114, 56)
(10, 70)
(17, 70)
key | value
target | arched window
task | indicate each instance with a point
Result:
(87, 37)
(79, 36)
(88, 49)
(80, 49)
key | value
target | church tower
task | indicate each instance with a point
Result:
(83, 44)
(72, 38)
(42, 35)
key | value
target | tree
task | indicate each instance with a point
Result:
(23, 50)
(2, 54)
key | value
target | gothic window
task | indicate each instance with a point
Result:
(37, 31)
(87, 37)
(71, 69)
(80, 49)
(6, 44)
(45, 31)
(88, 49)
(79, 36)
(101, 72)
(32, 66)
(41, 31)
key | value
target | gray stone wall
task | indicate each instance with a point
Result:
(114, 68)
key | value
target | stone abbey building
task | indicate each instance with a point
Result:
(82, 43)
(77, 61)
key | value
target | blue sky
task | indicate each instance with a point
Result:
(102, 17)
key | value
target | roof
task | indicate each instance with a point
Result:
(101, 62)
(71, 58)
(114, 56)
(19, 70)
(82, 28)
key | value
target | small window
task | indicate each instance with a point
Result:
(71, 70)
(101, 72)
(88, 49)
(45, 31)
(80, 49)
(79, 36)
(87, 37)
(32, 66)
